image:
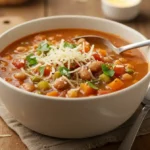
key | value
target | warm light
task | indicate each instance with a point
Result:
(123, 3)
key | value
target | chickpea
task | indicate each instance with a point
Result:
(117, 62)
(8, 57)
(20, 76)
(3, 63)
(129, 66)
(95, 66)
(123, 60)
(60, 84)
(80, 41)
(40, 37)
(84, 74)
(107, 59)
(3, 69)
(126, 77)
(51, 38)
(72, 93)
(20, 49)
(29, 87)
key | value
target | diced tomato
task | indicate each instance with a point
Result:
(97, 57)
(102, 92)
(119, 70)
(47, 70)
(18, 63)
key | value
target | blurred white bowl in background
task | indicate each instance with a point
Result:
(121, 10)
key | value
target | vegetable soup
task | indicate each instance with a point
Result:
(52, 64)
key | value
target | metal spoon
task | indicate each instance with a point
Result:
(111, 46)
(131, 135)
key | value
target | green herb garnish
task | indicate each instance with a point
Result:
(31, 60)
(70, 45)
(92, 85)
(107, 71)
(44, 47)
(41, 70)
(64, 71)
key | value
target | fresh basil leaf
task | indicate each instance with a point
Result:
(31, 60)
(44, 47)
(64, 71)
(107, 71)
(92, 85)
(41, 70)
(70, 45)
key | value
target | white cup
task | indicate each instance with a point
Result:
(121, 12)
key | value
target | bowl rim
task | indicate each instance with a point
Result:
(89, 98)
(106, 2)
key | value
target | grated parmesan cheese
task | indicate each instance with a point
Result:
(62, 55)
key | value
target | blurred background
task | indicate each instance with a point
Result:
(13, 12)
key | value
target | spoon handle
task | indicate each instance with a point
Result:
(134, 45)
(130, 137)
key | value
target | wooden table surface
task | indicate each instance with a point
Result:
(10, 16)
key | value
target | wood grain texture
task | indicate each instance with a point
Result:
(31, 10)
(39, 8)
(10, 16)
(10, 143)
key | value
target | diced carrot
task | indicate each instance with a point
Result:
(103, 52)
(86, 90)
(116, 84)
(52, 93)
(97, 57)
(119, 70)
(102, 92)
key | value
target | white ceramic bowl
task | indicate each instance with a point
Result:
(72, 118)
(123, 12)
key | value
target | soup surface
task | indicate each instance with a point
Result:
(52, 64)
